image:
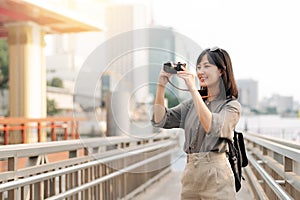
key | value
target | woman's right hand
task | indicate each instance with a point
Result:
(163, 77)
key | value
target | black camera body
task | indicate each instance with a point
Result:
(173, 68)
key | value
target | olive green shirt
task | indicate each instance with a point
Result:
(225, 116)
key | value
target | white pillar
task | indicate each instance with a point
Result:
(118, 113)
(27, 71)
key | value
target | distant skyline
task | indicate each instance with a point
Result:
(262, 37)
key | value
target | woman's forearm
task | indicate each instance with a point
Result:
(159, 106)
(203, 112)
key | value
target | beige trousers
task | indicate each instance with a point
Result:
(207, 176)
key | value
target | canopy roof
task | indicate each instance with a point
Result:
(56, 20)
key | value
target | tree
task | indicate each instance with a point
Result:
(271, 111)
(56, 82)
(4, 73)
(52, 107)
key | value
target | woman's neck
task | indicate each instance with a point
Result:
(212, 93)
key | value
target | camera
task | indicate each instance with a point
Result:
(173, 68)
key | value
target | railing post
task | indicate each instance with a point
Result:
(76, 130)
(23, 132)
(264, 151)
(39, 131)
(53, 132)
(12, 166)
(72, 129)
(6, 134)
(288, 164)
(65, 127)
(74, 177)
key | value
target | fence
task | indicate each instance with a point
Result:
(275, 165)
(66, 127)
(97, 168)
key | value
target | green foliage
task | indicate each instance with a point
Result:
(4, 74)
(271, 111)
(255, 111)
(56, 82)
(52, 108)
(172, 100)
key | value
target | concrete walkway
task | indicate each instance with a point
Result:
(169, 187)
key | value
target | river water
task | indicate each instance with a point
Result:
(269, 125)
(272, 125)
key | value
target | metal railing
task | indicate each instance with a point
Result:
(97, 168)
(275, 165)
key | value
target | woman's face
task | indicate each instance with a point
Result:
(208, 74)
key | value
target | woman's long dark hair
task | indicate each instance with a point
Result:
(221, 59)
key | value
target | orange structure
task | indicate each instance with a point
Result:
(24, 23)
(55, 20)
(53, 127)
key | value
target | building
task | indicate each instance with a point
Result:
(248, 93)
(166, 40)
(4, 102)
(127, 71)
(66, 53)
(284, 104)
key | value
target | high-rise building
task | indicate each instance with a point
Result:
(285, 104)
(248, 93)
(127, 71)
(166, 41)
(282, 104)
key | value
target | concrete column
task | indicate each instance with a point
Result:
(118, 121)
(27, 73)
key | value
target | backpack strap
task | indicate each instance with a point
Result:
(225, 102)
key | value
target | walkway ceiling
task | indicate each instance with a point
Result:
(55, 20)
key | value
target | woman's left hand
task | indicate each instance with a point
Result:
(188, 77)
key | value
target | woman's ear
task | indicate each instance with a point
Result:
(221, 72)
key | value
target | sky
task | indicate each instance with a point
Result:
(262, 37)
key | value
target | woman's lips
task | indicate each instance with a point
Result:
(202, 79)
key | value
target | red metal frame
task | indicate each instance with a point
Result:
(68, 125)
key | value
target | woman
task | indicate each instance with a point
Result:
(207, 120)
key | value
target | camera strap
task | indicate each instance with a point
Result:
(176, 86)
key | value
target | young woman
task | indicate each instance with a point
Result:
(209, 117)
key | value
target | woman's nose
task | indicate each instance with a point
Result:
(200, 71)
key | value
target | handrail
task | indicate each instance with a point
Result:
(277, 168)
(42, 177)
(24, 150)
(269, 180)
(252, 179)
(276, 140)
(273, 159)
(114, 174)
(61, 164)
(19, 120)
(275, 147)
(94, 166)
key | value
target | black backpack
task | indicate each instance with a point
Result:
(237, 157)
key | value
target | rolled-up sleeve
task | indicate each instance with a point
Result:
(224, 122)
(174, 117)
